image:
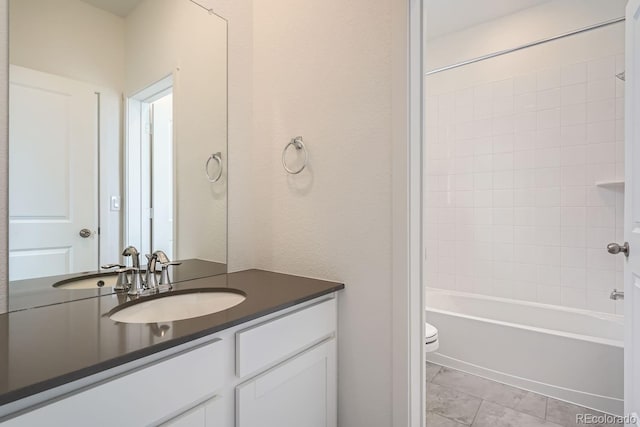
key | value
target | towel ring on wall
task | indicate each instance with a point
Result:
(218, 158)
(299, 145)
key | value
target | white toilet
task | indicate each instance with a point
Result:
(430, 338)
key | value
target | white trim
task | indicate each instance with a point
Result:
(416, 297)
(4, 153)
(632, 140)
(408, 373)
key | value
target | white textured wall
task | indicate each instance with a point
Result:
(515, 146)
(322, 70)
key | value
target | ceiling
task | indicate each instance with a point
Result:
(117, 7)
(448, 16)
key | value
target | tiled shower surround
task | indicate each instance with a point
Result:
(516, 147)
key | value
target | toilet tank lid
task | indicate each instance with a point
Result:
(429, 330)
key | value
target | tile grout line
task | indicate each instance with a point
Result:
(461, 392)
(475, 416)
(546, 407)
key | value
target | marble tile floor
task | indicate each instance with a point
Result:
(458, 399)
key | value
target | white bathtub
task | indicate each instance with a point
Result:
(572, 355)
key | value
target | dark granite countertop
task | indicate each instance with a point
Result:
(39, 292)
(45, 347)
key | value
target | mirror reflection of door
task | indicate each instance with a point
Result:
(115, 49)
(53, 146)
(149, 224)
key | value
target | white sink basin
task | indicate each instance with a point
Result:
(108, 280)
(178, 306)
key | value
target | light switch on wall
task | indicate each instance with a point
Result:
(115, 203)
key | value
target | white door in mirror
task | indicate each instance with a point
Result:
(53, 188)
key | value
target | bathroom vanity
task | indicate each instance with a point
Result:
(268, 361)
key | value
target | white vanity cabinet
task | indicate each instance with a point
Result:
(277, 370)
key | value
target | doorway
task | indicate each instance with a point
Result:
(149, 165)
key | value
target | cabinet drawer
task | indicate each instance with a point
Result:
(140, 396)
(275, 340)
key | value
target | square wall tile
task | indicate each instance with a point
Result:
(574, 298)
(574, 277)
(574, 73)
(574, 94)
(549, 79)
(526, 84)
(598, 90)
(549, 294)
(600, 111)
(602, 131)
(573, 237)
(603, 68)
(573, 114)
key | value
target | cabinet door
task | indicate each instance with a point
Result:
(299, 392)
(209, 413)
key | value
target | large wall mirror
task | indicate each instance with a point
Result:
(117, 133)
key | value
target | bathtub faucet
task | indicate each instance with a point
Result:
(616, 295)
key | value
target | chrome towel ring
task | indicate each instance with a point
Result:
(299, 145)
(218, 158)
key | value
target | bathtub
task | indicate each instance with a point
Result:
(569, 354)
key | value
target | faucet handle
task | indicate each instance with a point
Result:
(164, 275)
(122, 282)
(112, 266)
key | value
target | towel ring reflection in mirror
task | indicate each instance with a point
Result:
(299, 145)
(218, 158)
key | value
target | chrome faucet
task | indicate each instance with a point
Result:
(163, 259)
(137, 284)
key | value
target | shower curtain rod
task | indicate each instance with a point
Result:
(524, 46)
(208, 9)
(202, 6)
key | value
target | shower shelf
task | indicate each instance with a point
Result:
(613, 183)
